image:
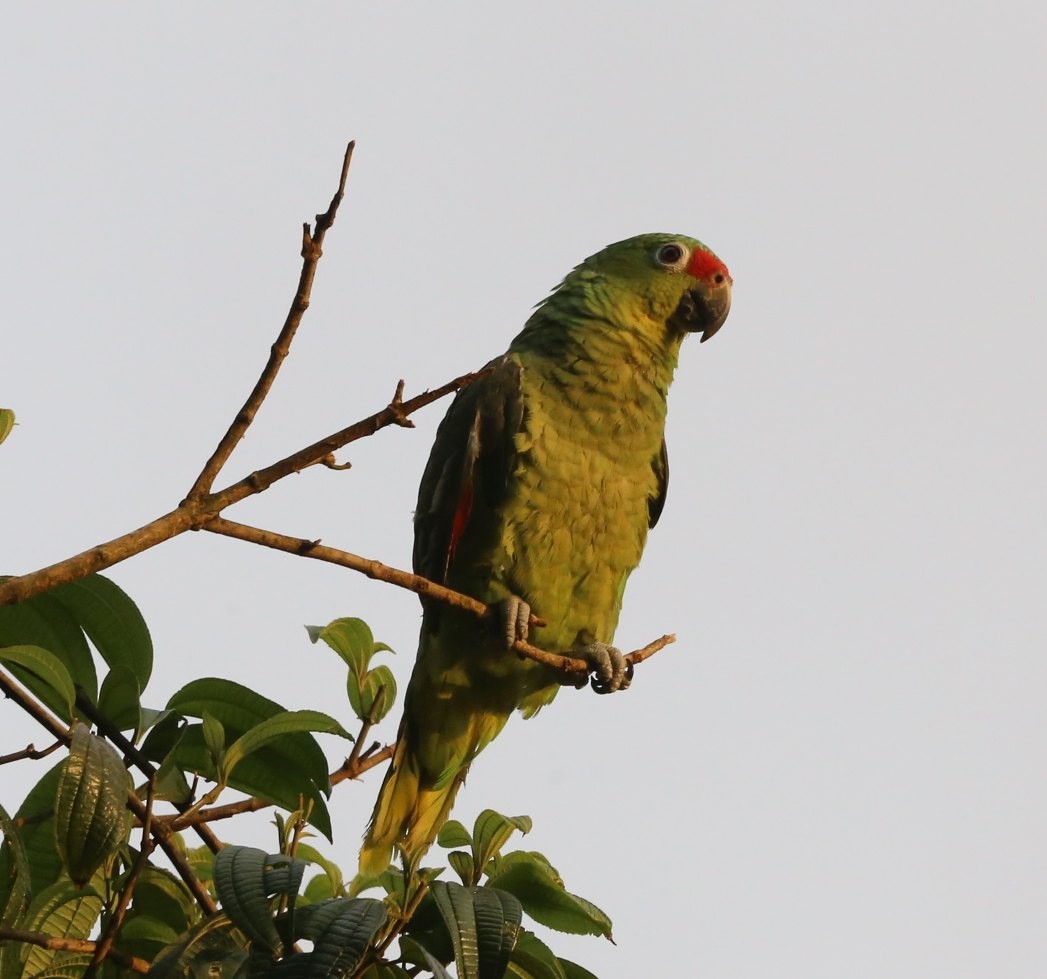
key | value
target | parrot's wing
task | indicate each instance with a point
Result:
(471, 461)
(656, 503)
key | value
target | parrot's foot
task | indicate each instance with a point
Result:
(611, 670)
(513, 616)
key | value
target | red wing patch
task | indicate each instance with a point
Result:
(461, 519)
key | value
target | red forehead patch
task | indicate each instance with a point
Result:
(705, 265)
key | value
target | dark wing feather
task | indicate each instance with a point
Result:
(656, 503)
(469, 466)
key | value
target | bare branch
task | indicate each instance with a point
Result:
(311, 251)
(193, 514)
(30, 751)
(71, 945)
(332, 555)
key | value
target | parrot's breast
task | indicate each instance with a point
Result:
(576, 517)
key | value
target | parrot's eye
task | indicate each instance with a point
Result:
(672, 256)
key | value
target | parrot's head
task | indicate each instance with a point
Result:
(671, 281)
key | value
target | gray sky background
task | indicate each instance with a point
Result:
(839, 769)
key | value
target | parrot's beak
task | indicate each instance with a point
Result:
(704, 308)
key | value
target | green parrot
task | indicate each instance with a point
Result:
(543, 481)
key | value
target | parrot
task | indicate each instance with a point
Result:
(545, 476)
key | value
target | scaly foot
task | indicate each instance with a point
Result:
(611, 670)
(513, 616)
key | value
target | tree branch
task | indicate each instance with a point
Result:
(565, 663)
(193, 514)
(312, 249)
(71, 945)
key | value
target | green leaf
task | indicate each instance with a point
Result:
(574, 971)
(62, 910)
(533, 959)
(498, 917)
(35, 818)
(456, 906)
(372, 697)
(332, 872)
(48, 668)
(161, 910)
(15, 874)
(112, 623)
(434, 964)
(453, 834)
(341, 931)
(214, 739)
(283, 771)
(279, 726)
(351, 639)
(44, 621)
(91, 816)
(209, 949)
(530, 878)
(462, 864)
(240, 879)
(491, 831)
(7, 422)
(119, 700)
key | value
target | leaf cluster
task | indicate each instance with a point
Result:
(79, 658)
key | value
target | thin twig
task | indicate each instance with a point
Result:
(567, 664)
(312, 249)
(116, 919)
(364, 763)
(30, 751)
(373, 569)
(56, 944)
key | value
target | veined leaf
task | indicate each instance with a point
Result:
(279, 726)
(453, 834)
(14, 873)
(239, 877)
(44, 621)
(283, 771)
(120, 698)
(47, 667)
(456, 906)
(491, 831)
(531, 878)
(91, 815)
(341, 931)
(351, 639)
(373, 695)
(533, 959)
(36, 819)
(112, 623)
(64, 911)
(498, 917)
(209, 949)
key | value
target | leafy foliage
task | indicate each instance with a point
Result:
(68, 869)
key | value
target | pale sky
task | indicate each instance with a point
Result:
(839, 768)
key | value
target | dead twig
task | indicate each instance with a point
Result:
(312, 249)
(30, 751)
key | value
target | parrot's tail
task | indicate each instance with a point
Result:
(406, 813)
